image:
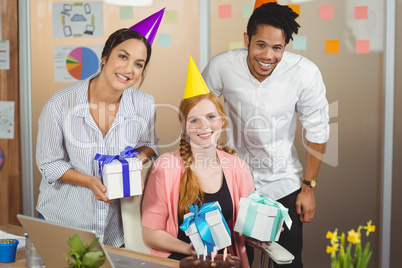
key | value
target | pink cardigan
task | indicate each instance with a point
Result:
(161, 197)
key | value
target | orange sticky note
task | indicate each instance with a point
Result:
(361, 12)
(295, 8)
(225, 11)
(362, 46)
(258, 3)
(326, 12)
(332, 46)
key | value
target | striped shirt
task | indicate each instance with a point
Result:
(69, 138)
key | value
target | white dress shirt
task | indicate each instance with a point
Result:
(68, 137)
(263, 115)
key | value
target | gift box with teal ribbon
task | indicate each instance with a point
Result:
(206, 227)
(261, 218)
(121, 174)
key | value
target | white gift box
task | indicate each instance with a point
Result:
(218, 230)
(192, 233)
(112, 176)
(267, 226)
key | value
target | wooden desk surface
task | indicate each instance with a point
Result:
(20, 258)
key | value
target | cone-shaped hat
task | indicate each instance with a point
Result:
(149, 26)
(195, 84)
(259, 3)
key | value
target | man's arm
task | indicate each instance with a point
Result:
(305, 202)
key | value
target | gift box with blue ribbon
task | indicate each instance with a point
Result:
(121, 174)
(261, 218)
(206, 228)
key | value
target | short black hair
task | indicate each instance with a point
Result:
(119, 37)
(278, 16)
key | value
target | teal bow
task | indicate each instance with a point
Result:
(198, 218)
(256, 199)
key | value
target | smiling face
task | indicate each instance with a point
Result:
(204, 125)
(265, 51)
(125, 64)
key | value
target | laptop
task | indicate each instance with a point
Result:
(50, 240)
(89, 29)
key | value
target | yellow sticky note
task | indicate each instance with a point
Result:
(332, 46)
(171, 17)
(235, 45)
(295, 8)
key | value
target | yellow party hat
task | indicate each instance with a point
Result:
(195, 84)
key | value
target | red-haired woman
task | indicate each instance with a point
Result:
(197, 173)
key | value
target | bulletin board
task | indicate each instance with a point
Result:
(344, 38)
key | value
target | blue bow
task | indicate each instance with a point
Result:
(128, 152)
(198, 218)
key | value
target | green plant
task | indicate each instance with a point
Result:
(82, 255)
(341, 256)
(6, 241)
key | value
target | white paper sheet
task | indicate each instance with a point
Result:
(21, 240)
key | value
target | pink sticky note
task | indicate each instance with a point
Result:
(362, 46)
(225, 11)
(361, 12)
(326, 12)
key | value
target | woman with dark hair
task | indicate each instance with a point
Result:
(102, 114)
(197, 173)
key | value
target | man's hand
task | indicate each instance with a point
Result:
(305, 204)
(257, 243)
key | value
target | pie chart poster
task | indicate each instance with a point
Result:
(73, 63)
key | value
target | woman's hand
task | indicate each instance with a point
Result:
(99, 190)
(257, 243)
(191, 249)
(92, 182)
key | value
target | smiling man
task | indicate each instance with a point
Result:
(265, 88)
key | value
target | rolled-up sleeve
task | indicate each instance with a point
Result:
(51, 157)
(212, 78)
(313, 109)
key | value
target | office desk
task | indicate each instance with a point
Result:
(20, 258)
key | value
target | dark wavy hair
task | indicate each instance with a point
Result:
(119, 37)
(278, 16)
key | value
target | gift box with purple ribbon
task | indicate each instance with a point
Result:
(121, 174)
(206, 227)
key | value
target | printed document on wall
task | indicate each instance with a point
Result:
(5, 55)
(7, 119)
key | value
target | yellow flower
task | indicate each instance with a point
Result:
(332, 250)
(354, 237)
(333, 236)
(370, 228)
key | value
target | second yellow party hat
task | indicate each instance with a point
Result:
(195, 84)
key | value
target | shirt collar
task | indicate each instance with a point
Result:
(126, 108)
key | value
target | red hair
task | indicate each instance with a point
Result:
(190, 186)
